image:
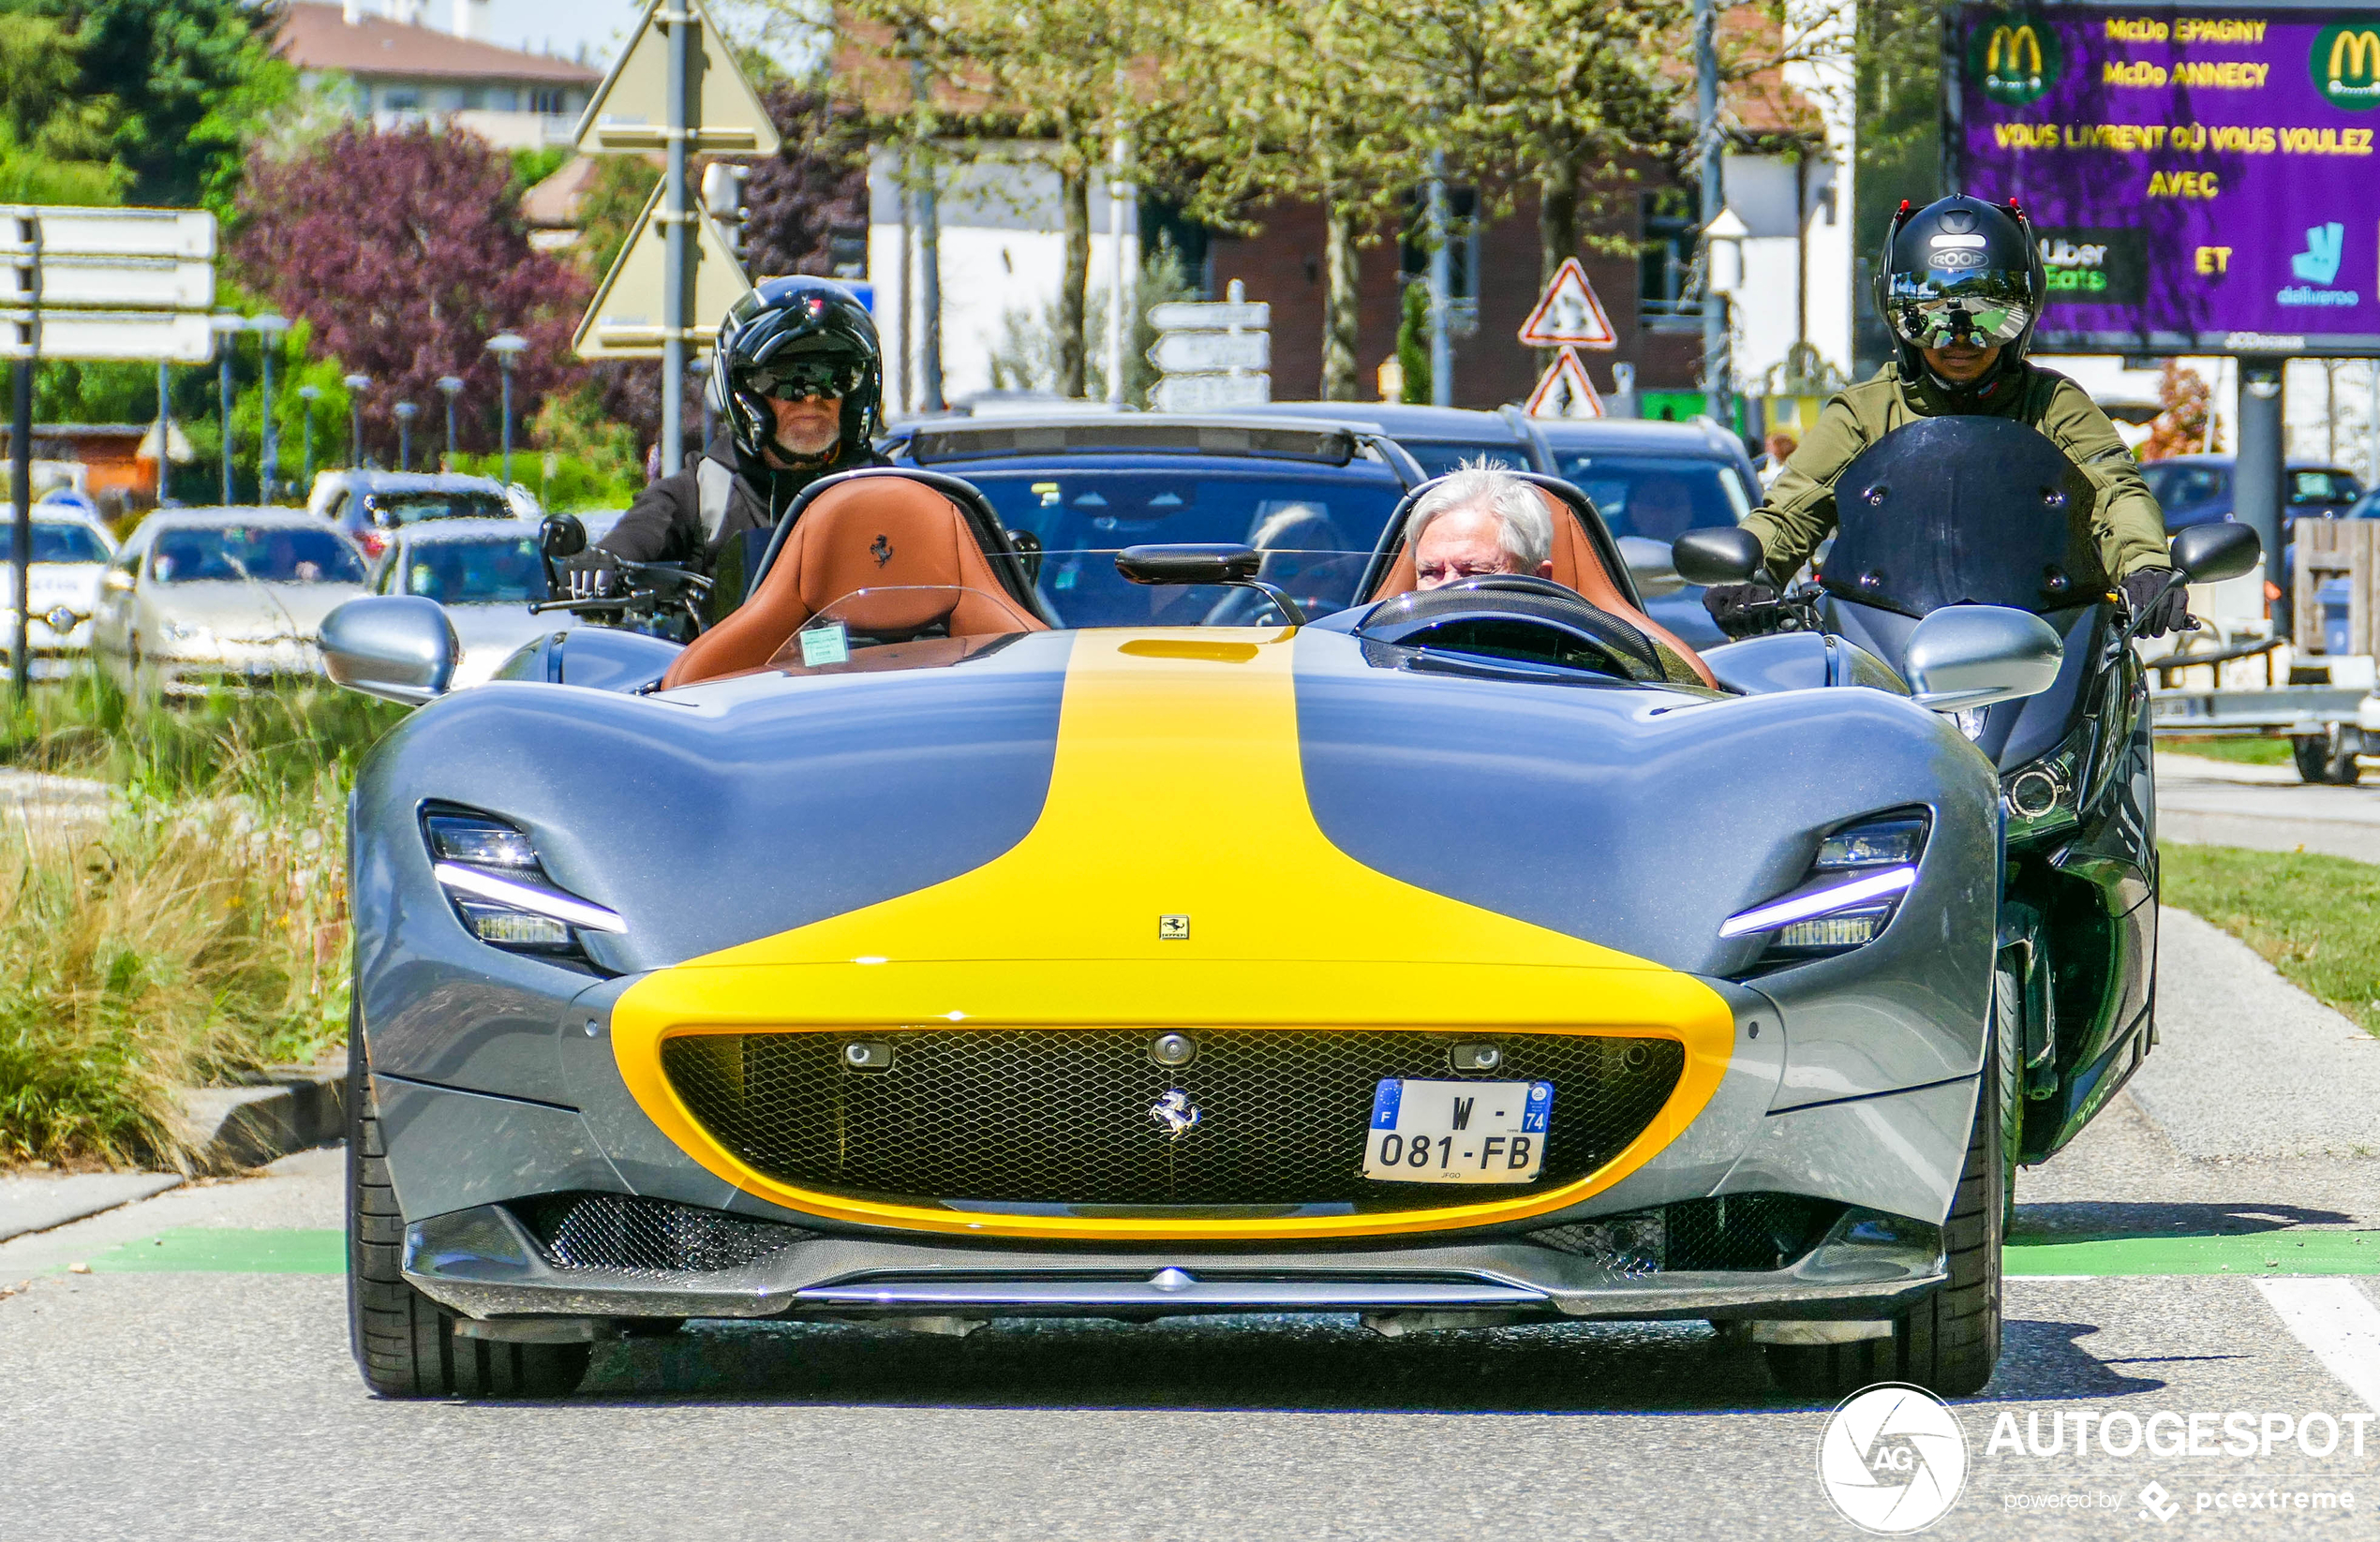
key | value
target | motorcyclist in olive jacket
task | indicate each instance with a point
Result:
(1963, 286)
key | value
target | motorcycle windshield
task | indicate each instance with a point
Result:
(1964, 510)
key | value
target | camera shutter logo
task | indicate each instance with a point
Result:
(1892, 1459)
(2345, 64)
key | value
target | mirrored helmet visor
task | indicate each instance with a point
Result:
(1985, 308)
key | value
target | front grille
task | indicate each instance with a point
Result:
(1064, 1116)
(650, 1237)
(1751, 1231)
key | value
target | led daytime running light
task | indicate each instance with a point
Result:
(525, 897)
(1801, 906)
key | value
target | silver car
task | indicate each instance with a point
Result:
(201, 599)
(486, 573)
(70, 551)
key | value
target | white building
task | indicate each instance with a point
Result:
(401, 70)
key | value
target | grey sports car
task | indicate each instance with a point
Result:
(904, 948)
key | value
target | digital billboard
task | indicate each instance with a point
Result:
(2202, 181)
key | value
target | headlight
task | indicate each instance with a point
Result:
(2041, 794)
(1847, 897)
(491, 874)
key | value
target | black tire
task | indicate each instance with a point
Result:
(2344, 769)
(1949, 1343)
(2314, 759)
(405, 1343)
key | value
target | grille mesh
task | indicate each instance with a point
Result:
(1063, 1116)
(653, 1238)
(1753, 1231)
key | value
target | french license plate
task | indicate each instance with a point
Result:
(1458, 1132)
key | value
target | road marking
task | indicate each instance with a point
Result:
(2297, 1250)
(226, 1249)
(2336, 1320)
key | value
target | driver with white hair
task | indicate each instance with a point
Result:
(1478, 520)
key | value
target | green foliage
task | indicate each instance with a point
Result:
(531, 167)
(1413, 345)
(607, 210)
(1025, 356)
(565, 484)
(54, 142)
(2316, 919)
(2257, 751)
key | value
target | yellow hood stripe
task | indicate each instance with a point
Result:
(1176, 791)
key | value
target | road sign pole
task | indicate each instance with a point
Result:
(1441, 286)
(2256, 486)
(677, 209)
(1713, 146)
(21, 492)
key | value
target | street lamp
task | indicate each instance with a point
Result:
(227, 325)
(356, 386)
(405, 412)
(309, 395)
(507, 348)
(453, 386)
(1723, 243)
(268, 329)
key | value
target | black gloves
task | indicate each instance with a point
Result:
(2157, 608)
(592, 574)
(1731, 606)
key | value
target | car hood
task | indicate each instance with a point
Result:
(254, 610)
(71, 584)
(489, 634)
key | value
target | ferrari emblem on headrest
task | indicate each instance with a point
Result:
(882, 551)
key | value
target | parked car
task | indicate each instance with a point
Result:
(367, 505)
(70, 552)
(203, 599)
(486, 573)
(1652, 482)
(2197, 490)
(1439, 437)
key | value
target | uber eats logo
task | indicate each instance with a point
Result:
(2345, 64)
(2015, 55)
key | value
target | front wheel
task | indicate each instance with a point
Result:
(2313, 756)
(405, 1343)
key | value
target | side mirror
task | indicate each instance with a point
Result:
(1217, 563)
(399, 647)
(561, 536)
(1971, 655)
(1717, 557)
(1650, 565)
(2209, 552)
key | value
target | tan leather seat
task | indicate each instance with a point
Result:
(1576, 566)
(874, 532)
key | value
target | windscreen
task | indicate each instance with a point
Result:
(260, 554)
(1659, 498)
(1316, 533)
(498, 572)
(2182, 486)
(1963, 511)
(390, 509)
(54, 543)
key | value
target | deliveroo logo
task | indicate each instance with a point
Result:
(2345, 64)
(2319, 263)
(2016, 56)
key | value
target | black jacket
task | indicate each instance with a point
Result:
(688, 516)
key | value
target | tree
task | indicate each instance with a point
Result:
(406, 253)
(2179, 427)
(55, 142)
(814, 185)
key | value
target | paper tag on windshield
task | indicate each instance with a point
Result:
(826, 644)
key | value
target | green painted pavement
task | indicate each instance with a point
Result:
(2293, 1251)
(224, 1250)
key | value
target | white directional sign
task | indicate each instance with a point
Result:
(1569, 315)
(115, 283)
(1210, 393)
(130, 284)
(1191, 353)
(110, 232)
(1209, 314)
(1565, 391)
(625, 321)
(630, 110)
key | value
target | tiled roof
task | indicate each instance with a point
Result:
(317, 37)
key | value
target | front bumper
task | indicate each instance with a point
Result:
(485, 1263)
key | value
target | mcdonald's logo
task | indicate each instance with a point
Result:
(2014, 58)
(2345, 64)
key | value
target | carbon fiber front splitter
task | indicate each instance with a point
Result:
(484, 1264)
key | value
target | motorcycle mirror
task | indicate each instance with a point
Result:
(2208, 553)
(1731, 555)
(1969, 656)
(561, 536)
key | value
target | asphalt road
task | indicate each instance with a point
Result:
(196, 1384)
(2264, 808)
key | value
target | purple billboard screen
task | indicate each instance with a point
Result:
(2201, 181)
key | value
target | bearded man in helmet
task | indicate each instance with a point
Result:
(1961, 285)
(800, 380)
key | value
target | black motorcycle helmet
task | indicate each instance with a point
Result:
(1961, 268)
(812, 334)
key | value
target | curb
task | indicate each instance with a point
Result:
(295, 1107)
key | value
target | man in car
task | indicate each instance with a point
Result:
(1962, 285)
(1479, 520)
(799, 379)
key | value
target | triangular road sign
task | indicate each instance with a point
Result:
(1569, 315)
(1565, 391)
(625, 321)
(630, 108)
